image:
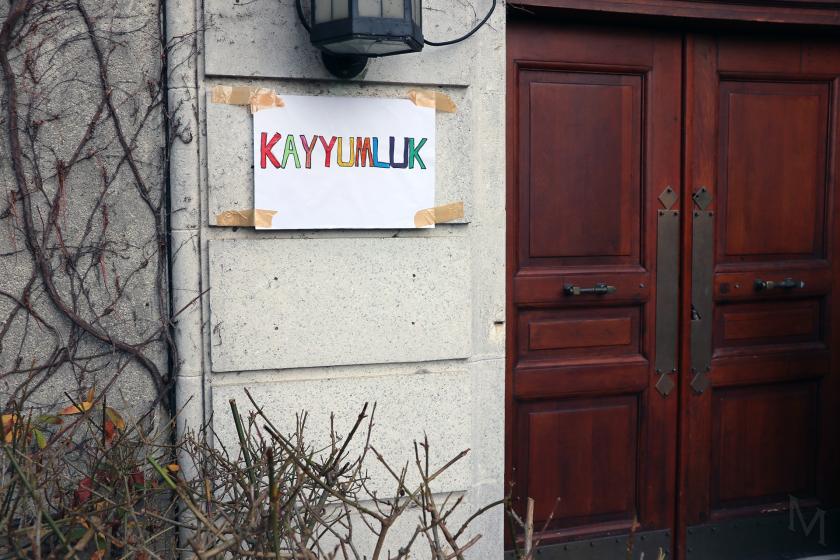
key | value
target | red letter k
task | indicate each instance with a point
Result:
(265, 150)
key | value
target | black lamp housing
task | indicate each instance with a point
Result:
(350, 31)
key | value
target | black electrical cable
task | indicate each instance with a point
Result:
(465, 36)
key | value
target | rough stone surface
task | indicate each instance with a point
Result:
(104, 245)
(407, 406)
(452, 404)
(261, 43)
(283, 303)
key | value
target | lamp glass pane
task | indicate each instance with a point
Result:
(416, 6)
(340, 9)
(370, 8)
(368, 47)
(323, 10)
(393, 9)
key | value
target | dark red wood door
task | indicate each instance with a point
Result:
(594, 138)
(673, 276)
(761, 412)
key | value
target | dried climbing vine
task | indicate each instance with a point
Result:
(83, 222)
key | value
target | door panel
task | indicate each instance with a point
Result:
(593, 444)
(739, 474)
(579, 335)
(761, 138)
(597, 146)
(594, 141)
(772, 170)
(797, 325)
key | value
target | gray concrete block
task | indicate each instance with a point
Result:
(230, 148)
(284, 303)
(407, 406)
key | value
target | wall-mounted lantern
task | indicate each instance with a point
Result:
(348, 32)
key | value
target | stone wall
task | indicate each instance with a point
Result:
(326, 320)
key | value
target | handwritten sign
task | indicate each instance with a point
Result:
(344, 162)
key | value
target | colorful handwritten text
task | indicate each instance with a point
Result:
(360, 151)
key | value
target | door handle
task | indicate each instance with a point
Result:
(786, 284)
(598, 289)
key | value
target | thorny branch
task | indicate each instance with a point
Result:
(84, 483)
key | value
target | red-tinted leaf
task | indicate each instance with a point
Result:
(115, 418)
(137, 477)
(110, 430)
(83, 406)
(84, 491)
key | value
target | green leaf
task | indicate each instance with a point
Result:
(76, 533)
(39, 438)
(49, 419)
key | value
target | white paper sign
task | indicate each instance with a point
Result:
(344, 162)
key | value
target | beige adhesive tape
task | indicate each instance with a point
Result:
(439, 214)
(440, 102)
(245, 218)
(255, 98)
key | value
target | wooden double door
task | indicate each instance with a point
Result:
(673, 284)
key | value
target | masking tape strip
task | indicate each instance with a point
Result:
(245, 218)
(256, 98)
(439, 214)
(438, 101)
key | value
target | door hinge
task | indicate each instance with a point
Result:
(667, 291)
(702, 278)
